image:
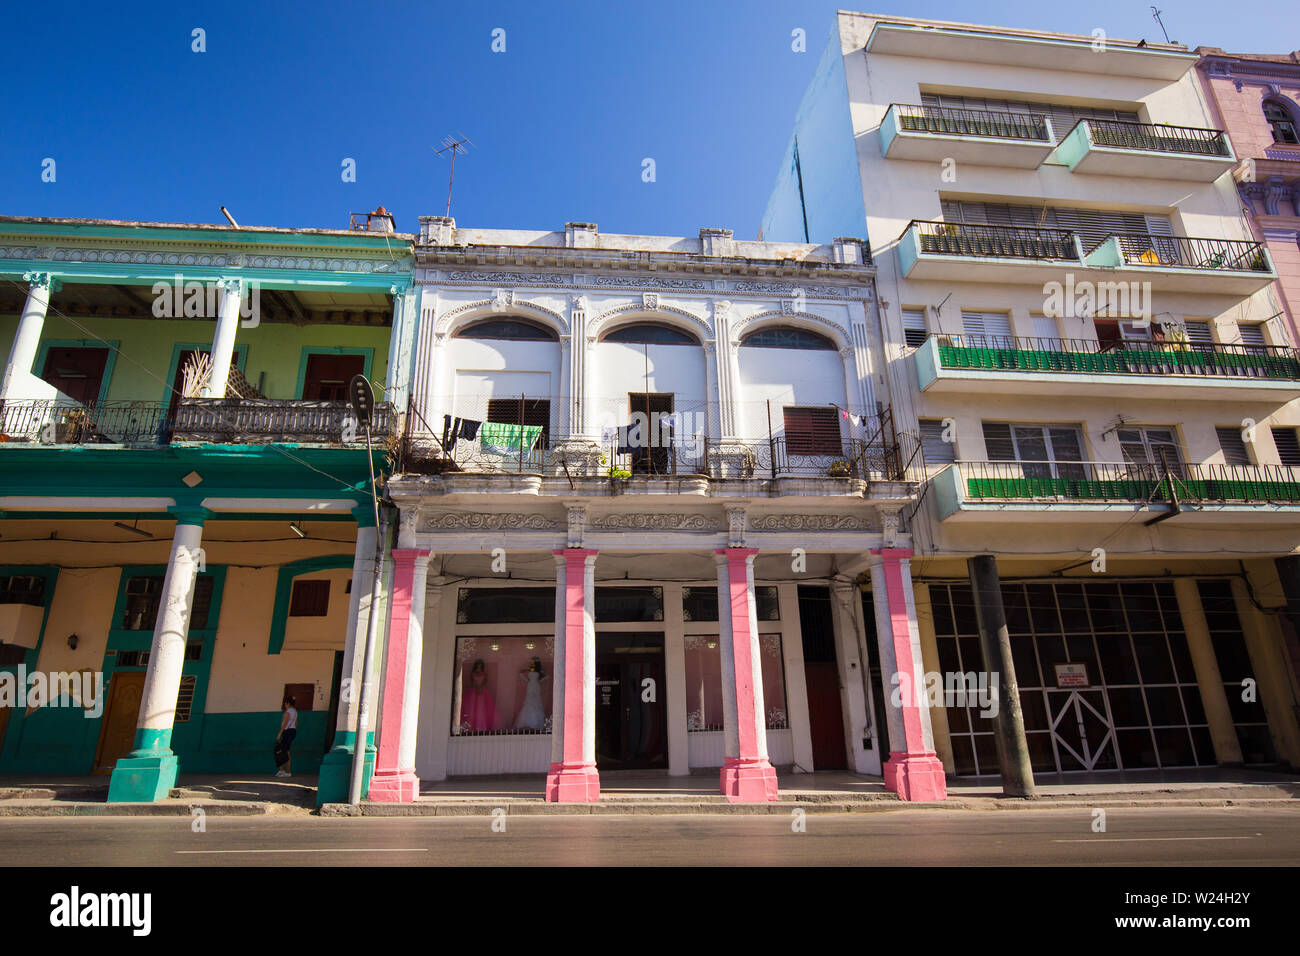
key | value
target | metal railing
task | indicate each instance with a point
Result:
(54, 422)
(995, 242)
(1133, 482)
(1193, 140)
(256, 421)
(1184, 252)
(963, 122)
(1125, 357)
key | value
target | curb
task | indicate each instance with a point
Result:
(167, 808)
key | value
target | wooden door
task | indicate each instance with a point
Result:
(76, 372)
(117, 736)
(826, 725)
(328, 377)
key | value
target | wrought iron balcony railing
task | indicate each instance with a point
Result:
(1183, 252)
(264, 420)
(52, 422)
(1131, 482)
(995, 242)
(1128, 357)
(1158, 138)
(994, 124)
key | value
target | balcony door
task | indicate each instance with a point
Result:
(651, 458)
(1043, 451)
(77, 372)
(328, 376)
(1147, 449)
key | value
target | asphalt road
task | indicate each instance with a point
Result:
(1236, 836)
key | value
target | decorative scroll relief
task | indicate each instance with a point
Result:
(789, 288)
(510, 278)
(650, 282)
(664, 522)
(810, 523)
(491, 522)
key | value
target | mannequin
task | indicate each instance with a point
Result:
(531, 716)
(478, 710)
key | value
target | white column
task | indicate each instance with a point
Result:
(363, 571)
(149, 771)
(27, 339)
(852, 669)
(223, 341)
(414, 656)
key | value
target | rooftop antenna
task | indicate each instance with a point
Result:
(1155, 14)
(457, 144)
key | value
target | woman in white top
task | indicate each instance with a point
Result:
(284, 740)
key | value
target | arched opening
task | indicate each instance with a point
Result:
(788, 337)
(511, 329)
(1282, 121)
(650, 333)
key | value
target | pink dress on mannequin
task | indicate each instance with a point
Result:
(478, 711)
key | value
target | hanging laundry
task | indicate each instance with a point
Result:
(631, 438)
(450, 431)
(856, 420)
(469, 429)
(844, 414)
(502, 439)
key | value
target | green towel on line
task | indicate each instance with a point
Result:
(498, 439)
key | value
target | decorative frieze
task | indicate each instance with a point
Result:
(806, 522)
(656, 522)
(203, 260)
(477, 521)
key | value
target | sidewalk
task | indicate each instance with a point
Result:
(641, 793)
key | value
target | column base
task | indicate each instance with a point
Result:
(748, 781)
(915, 776)
(143, 779)
(396, 786)
(572, 783)
(336, 769)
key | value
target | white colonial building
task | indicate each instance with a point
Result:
(606, 434)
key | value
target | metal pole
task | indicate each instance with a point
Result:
(372, 629)
(771, 442)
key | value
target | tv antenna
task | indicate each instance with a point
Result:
(1155, 15)
(459, 143)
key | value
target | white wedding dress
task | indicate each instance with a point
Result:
(531, 716)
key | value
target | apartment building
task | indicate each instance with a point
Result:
(187, 532)
(643, 480)
(1087, 335)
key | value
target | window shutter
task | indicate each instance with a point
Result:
(998, 443)
(1234, 448)
(1046, 332)
(1252, 334)
(1288, 445)
(914, 331)
(1199, 332)
(986, 330)
(933, 447)
(812, 431)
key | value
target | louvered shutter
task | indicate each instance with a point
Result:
(936, 450)
(997, 442)
(1288, 445)
(914, 331)
(812, 431)
(1252, 334)
(1234, 448)
(986, 330)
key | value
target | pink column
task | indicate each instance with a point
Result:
(747, 774)
(914, 773)
(394, 779)
(573, 777)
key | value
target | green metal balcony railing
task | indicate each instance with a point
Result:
(1157, 138)
(995, 242)
(1131, 482)
(994, 124)
(1090, 357)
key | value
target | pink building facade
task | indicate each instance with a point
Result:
(1256, 100)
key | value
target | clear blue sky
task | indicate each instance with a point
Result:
(142, 128)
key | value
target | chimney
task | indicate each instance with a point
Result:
(380, 221)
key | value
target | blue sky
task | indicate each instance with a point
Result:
(141, 127)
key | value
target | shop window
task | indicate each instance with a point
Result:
(144, 595)
(812, 431)
(505, 605)
(701, 604)
(310, 599)
(628, 604)
(502, 685)
(704, 682)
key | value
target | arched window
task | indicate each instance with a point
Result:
(1282, 121)
(515, 329)
(787, 337)
(649, 333)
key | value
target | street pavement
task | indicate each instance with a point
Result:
(1236, 836)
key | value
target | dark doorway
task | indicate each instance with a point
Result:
(76, 372)
(336, 683)
(652, 457)
(328, 376)
(879, 691)
(631, 702)
(822, 676)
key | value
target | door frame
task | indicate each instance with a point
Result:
(109, 691)
(239, 357)
(661, 690)
(367, 354)
(113, 345)
(1089, 757)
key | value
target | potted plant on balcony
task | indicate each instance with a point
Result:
(843, 468)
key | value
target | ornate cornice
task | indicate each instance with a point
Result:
(805, 522)
(477, 521)
(119, 255)
(639, 521)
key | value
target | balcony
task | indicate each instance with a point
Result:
(1146, 151)
(979, 137)
(1185, 264)
(222, 421)
(1038, 366)
(963, 252)
(1092, 491)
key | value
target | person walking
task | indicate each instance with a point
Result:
(284, 740)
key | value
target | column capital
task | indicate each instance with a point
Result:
(189, 514)
(43, 280)
(231, 284)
